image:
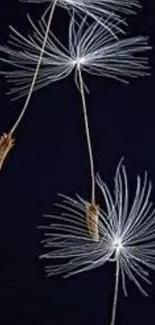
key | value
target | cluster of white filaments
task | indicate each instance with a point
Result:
(91, 48)
(125, 236)
(97, 8)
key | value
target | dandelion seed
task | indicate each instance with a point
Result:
(6, 143)
(90, 48)
(93, 9)
(126, 235)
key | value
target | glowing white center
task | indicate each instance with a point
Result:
(117, 244)
(79, 61)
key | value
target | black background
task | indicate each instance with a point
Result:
(50, 156)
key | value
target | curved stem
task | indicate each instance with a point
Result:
(88, 136)
(36, 71)
(115, 294)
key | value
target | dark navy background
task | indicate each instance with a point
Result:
(50, 156)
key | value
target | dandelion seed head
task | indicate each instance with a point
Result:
(91, 47)
(126, 233)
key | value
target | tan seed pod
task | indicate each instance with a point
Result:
(92, 214)
(6, 143)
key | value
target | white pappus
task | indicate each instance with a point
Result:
(91, 48)
(126, 235)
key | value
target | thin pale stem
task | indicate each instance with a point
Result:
(36, 71)
(115, 294)
(88, 136)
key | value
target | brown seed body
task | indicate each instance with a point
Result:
(6, 143)
(92, 215)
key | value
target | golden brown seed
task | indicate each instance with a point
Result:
(6, 143)
(92, 215)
